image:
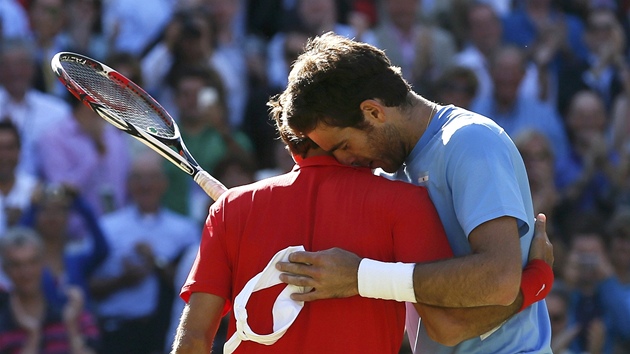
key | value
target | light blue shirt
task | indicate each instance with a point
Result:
(474, 173)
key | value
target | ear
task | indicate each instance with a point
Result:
(373, 110)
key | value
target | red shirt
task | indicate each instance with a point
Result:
(320, 204)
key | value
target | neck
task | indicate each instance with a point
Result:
(418, 117)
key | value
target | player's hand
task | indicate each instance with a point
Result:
(541, 247)
(331, 273)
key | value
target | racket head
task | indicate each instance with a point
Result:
(114, 97)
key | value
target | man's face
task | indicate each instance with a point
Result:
(16, 71)
(378, 147)
(187, 98)
(485, 28)
(23, 265)
(507, 76)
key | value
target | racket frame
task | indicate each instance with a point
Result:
(181, 158)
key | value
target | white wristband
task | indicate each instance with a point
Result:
(389, 281)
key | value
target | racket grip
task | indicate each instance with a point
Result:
(210, 185)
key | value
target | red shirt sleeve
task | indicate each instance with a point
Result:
(211, 272)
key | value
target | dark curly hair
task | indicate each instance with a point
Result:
(328, 82)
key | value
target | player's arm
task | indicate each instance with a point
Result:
(333, 273)
(450, 326)
(198, 325)
(491, 275)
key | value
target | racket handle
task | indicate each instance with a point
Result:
(210, 185)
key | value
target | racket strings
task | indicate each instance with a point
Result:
(124, 100)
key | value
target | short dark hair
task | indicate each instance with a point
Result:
(331, 78)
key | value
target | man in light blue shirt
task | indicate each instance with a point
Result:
(348, 98)
(457, 140)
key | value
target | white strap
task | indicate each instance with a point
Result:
(284, 311)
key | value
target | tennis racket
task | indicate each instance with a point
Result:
(129, 108)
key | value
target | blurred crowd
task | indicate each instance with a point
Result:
(98, 232)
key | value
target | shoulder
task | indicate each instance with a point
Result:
(469, 134)
(465, 125)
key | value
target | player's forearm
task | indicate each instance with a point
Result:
(451, 326)
(471, 281)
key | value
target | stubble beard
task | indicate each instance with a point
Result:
(389, 148)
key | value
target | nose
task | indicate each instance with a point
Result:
(346, 159)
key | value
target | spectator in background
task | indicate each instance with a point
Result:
(257, 125)
(539, 159)
(16, 187)
(13, 20)
(538, 23)
(235, 170)
(590, 175)
(189, 39)
(239, 61)
(514, 112)
(314, 17)
(32, 111)
(83, 32)
(553, 40)
(47, 19)
(266, 18)
(128, 65)
(203, 125)
(604, 69)
(562, 334)
(598, 304)
(483, 38)
(29, 323)
(421, 50)
(537, 153)
(71, 258)
(88, 155)
(133, 288)
(458, 85)
(134, 26)
(619, 251)
(283, 162)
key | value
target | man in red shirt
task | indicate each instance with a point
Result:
(309, 206)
